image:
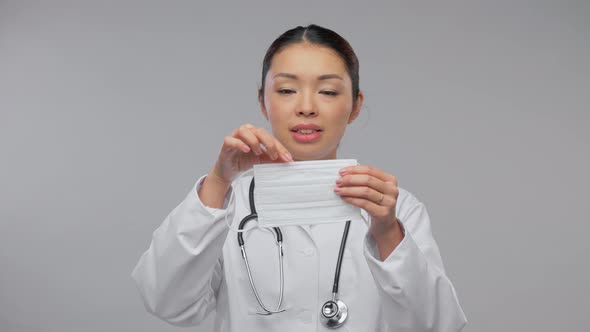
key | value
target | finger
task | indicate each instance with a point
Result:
(237, 130)
(247, 136)
(231, 143)
(273, 147)
(364, 192)
(372, 208)
(365, 180)
(370, 170)
(269, 142)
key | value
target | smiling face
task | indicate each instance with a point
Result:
(308, 100)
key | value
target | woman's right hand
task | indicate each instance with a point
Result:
(240, 151)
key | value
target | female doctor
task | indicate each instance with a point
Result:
(392, 276)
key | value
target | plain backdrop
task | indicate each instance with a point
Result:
(110, 111)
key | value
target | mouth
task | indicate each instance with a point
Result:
(306, 131)
(306, 128)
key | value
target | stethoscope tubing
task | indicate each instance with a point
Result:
(282, 284)
(339, 262)
(279, 240)
(331, 320)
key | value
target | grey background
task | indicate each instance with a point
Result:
(110, 110)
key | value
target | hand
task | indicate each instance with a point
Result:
(376, 192)
(245, 147)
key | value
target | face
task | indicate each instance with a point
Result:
(308, 100)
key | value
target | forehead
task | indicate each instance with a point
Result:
(305, 59)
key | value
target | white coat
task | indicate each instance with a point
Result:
(193, 268)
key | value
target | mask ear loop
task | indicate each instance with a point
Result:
(231, 203)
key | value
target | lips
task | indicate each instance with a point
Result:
(306, 128)
(306, 133)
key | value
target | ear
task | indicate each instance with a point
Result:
(261, 102)
(357, 108)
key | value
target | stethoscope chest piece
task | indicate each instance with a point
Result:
(334, 314)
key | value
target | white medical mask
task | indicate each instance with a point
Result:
(301, 193)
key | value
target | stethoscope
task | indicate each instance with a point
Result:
(334, 312)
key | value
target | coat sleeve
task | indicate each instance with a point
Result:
(416, 293)
(181, 271)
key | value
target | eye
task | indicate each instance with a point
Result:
(285, 91)
(329, 93)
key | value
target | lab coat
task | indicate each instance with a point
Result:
(193, 268)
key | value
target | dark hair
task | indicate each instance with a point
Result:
(317, 35)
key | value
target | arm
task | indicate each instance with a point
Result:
(180, 273)
(416, 293)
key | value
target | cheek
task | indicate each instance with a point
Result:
(341, 114)
(277, 109)
(277, 118)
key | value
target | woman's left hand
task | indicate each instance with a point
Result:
(376, 192)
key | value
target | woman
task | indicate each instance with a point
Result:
(392, 276)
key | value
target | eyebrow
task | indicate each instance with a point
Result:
(320, 78)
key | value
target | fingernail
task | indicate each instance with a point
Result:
(337, 190)
(287, 157)
(342, 171)
(339, 181)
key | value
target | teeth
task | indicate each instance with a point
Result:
(306, 131)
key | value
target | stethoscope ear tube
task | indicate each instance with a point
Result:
(267, 311)
(279, 239)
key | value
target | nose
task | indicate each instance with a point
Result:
(307, 113)
(307, 106)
